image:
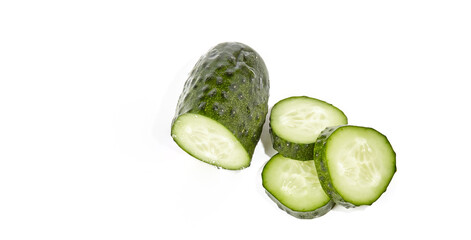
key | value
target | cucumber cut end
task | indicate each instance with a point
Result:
(209, 141)
(362, 172)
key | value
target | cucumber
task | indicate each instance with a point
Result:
(355, 164)
(295, 123)
(223, 105)
(294, 186)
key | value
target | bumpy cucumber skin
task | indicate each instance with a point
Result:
(303, 215)
(293, 150)
(298, 151)
(229, 84)
(322, 168)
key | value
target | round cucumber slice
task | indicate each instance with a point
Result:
(295, 187)
(355, 164)
(209, 141)
(296, 122)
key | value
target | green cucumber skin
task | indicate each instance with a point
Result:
(229, 84)
(322, 168)
(298, 151)
(303, 215)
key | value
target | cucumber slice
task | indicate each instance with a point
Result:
(296, 122)
(294, 186)
(355, 164)
(223, 106)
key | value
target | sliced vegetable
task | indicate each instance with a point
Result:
(296, 122)
(294, 186)
(355, 164)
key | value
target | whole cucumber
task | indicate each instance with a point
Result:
(228, 89)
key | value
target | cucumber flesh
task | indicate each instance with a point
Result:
(209, 141)
(356, 164)
(296, 122)
(295, 187)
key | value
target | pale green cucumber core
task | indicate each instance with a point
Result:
(209, 141)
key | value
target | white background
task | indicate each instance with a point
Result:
(88, 90)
